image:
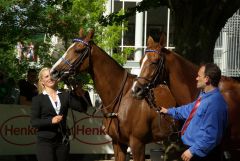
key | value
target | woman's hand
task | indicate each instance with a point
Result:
(78, 90)
(57, 119)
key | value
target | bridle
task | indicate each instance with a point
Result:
(147, 88)
(158, 71)
(73, 66)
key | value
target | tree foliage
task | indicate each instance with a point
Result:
(30, 20)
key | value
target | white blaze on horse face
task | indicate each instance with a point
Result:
(143, 61)
(61, 59)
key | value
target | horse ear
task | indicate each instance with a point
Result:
(81, 32)
(150, 41)
(163, 39)
(90, 34)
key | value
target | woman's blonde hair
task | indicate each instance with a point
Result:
(40, 77)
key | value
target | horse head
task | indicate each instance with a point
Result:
(74, 58)
(152, 69)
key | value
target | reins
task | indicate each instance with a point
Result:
(73, 67)
(150, 98)
(110, 110)
(116, 99)
(114, 102)
(151, 84)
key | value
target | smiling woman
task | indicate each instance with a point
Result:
(48, 114)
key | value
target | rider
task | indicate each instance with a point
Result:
(206, 118)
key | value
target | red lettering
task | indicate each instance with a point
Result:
(11, 130)
(89, 131)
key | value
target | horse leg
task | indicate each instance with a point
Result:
(137, 149)
(120, 151)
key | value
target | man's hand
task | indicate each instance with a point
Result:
(187, 155)
(163, 110)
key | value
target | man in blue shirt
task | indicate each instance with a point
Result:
(206, 118)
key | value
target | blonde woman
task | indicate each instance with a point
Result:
(48, 115)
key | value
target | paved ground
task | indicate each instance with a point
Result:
(72, 158)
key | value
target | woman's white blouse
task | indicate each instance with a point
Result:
(56, 105)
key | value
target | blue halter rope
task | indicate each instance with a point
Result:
(81, 41)
(149, 50)
(66, 61)
(75, 40)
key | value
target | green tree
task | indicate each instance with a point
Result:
(30, 20)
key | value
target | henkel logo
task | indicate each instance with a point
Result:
(88, 130)
(18, 131)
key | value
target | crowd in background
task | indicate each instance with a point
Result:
(25, 52)
(9, 91)
(22, 91)
(18, 91)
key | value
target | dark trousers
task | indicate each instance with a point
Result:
(52, 149)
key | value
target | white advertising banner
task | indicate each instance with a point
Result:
(18, 137)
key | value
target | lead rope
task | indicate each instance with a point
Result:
(151, 101)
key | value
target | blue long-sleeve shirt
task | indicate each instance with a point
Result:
(208, 125)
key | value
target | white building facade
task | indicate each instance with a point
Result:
(227, 49)
(226, 53)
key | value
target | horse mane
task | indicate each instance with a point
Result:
(179, 60)
(114, 64)
(181, 74)
(107, 55)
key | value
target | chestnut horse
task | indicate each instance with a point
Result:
(130, 122)
(162, 65)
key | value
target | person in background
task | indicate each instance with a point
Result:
(12, 96)
(48, 114)
(28, 87)
(3, 87)
(206, 118)
(30, 52)
(19, 48)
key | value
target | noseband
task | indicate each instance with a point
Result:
(79, 60)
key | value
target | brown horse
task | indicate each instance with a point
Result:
(130, 122)
(180, 75)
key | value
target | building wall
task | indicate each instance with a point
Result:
(227, 49)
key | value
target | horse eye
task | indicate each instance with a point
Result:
(154, 62)
(78, 50)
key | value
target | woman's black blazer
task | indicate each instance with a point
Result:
(42, 113)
